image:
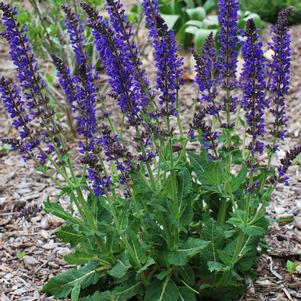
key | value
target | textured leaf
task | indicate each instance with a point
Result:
(150, 261)
(120, 269)
(79, 257)
(127, 289)
(57, 210)
(75, 292)
(162, 291)
(181, 256)
(215, 266)
(61, 285)
(186, 294)
(70, 234)
(99, 296)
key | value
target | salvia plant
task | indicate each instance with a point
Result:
(158, 210)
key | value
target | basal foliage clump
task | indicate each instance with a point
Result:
(150, 218)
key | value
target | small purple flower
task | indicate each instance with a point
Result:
(208, 136)
(253, 84)
(286, 162)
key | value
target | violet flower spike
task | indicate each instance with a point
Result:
(280, 74)
(253, 84)
(124, 37)
(112, 57)
(286, 162)
(169, 64)
(228, 40)
(206, 74)
(75, 31)
(20, 51)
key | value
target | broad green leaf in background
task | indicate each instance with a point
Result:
(170, 20)
(209, 6)
(197, 13)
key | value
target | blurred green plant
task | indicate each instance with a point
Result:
(268, 10)
(193, 21)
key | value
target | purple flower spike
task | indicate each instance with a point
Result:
(206, 74)
(20, 51)
(228, 40)
(75, 31)
(168, 63)
(253, 84)
(116, 66)
(124, 37)
(280, 73)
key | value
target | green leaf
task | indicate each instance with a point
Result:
(162, 291)
(181, 256)
(120, 269)
(209, 6)
(170, 20)
(80, 257)
(100, 296)
(252, 230)
(75, 292)
(61, 285)
(70, 234)
(240, 179)
(186, 294)
(57, 210)
(150, 261)
(197, 13)
(184, 184)
(127, 289)
(215, 266)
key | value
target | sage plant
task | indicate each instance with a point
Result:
(154, 219)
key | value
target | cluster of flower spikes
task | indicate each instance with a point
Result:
(120, 59)
(213, 69)
(168, 63)
(80, 90)
(31, 115)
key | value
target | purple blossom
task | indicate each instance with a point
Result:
(114, 60)
(253, 84)
(75, 31)
(208, 136)
(228, 40)
(124, 37)
(20, 51)
(286, 162)
(168, 63)
(280, 73)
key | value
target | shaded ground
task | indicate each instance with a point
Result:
(30, 254)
